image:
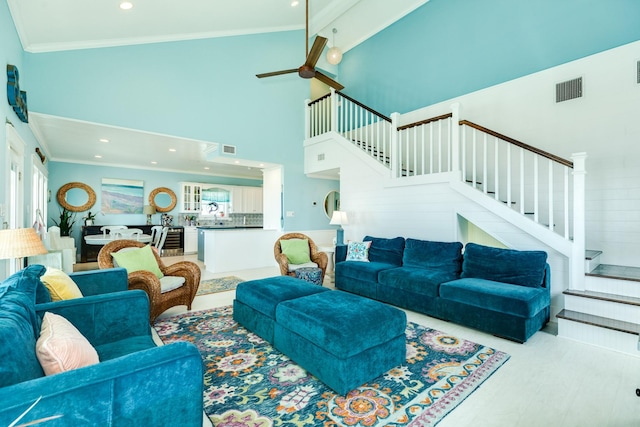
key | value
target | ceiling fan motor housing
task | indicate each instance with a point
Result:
(306, 72)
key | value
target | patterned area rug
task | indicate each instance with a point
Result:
(248, 383)
(211, 286)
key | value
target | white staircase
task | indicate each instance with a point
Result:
(607, 312)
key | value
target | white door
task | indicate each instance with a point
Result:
(14, 211)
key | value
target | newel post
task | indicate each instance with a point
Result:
(307, 119)
(395, 156)
(579, 230)
(455, 137)
(334, 111)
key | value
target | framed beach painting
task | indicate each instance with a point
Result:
(122, 196)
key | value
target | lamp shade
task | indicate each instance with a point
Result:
(339, 218)
(149, 210)
(20, 243)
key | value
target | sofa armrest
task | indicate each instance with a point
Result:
(546, 281)
(341, 253)
(105, 318)
(96, 282)
(157, 387)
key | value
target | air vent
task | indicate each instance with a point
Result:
(320, 157)
(570, 89)
(229, 149)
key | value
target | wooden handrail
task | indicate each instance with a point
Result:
(361, 105)
(527, 147)
(426, 121)
(315, 101)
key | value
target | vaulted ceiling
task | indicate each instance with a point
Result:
(54, 25)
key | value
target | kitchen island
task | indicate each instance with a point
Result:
(238, 248)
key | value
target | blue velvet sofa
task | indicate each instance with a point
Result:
(135, 383)
(501, 291)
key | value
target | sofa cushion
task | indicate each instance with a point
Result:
(525, 268)
(341, 323)
(263, 295)
(387, 251)
(521, 301)
(367, 271)
(441, 256)
(416, 280)
(19, 327)
(358, 251)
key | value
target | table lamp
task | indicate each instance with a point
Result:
(149, 210)
(20, 243)
(339, 218)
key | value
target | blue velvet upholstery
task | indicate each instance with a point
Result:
(388, 251)
(341, 338)
(445, 257)
(525, 268)
(256, 300)
(135, 383)
(19, 327)
(503, 291)
(91, 282)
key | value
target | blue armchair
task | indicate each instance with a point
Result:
(135, 383)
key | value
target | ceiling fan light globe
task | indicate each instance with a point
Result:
(334, 55)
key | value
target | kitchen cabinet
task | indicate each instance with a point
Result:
(190, 240)
(247, 199)
(190, 197)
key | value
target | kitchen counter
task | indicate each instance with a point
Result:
(238, 248)
(227, 227)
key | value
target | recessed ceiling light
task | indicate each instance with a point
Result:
(261, 165)
(294, 3)
(103, 140)
(173, 150)
(237, 162)
(126, 5)
(98, 156)
(206, 167)
(154, 162)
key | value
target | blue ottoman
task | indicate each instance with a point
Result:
(255, 304)
(310, 274)
(343, 339)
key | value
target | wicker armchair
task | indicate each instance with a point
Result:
(316, 256)
(148, 282)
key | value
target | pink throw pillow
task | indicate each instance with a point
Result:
(61, 347)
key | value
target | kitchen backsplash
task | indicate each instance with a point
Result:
(239, 219)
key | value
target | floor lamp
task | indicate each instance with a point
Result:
(17, 243)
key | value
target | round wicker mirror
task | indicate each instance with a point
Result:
(156, 199)
(76, 189)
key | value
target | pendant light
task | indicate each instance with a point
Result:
(334, 55)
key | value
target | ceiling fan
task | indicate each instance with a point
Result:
(308, 69)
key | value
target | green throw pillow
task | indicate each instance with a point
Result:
(138, 259)
(296, 250)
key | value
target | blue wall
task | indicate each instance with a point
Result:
(201, 89)
(62, 173)
(11, 53)
(447, 48)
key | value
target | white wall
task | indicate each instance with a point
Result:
(603, 123)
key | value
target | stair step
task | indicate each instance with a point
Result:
(616, 272)
(602, 322)
(590, 254)
(602, 296)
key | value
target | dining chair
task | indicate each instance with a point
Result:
(156, 233)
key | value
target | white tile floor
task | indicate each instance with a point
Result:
(548, 381)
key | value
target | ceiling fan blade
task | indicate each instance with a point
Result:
(328, 81)
(316, 50)
(276, 73)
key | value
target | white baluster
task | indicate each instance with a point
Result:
(577, 256)
(550, 195)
